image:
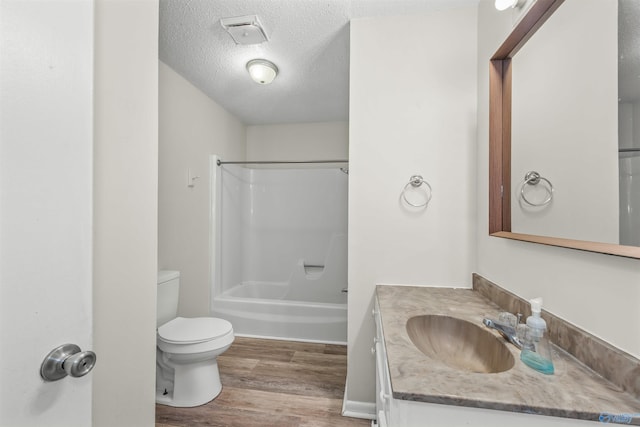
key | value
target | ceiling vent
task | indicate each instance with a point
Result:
(245, 29)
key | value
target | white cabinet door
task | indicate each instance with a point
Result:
(46, 139)
(383, 383)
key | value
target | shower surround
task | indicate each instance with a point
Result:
(280, 252)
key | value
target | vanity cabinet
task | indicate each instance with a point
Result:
(393, 412)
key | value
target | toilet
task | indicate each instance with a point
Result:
(186, 365)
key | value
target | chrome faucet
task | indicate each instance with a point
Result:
(506, 328)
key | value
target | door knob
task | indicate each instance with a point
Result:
(65, 360)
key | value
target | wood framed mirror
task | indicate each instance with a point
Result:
(500, 134)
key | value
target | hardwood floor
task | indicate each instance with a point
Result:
(272, 383)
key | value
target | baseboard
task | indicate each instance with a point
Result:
(269, 337)
(353, 409)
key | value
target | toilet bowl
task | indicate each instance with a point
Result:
(186, 366)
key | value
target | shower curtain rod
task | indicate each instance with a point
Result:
(272, 162)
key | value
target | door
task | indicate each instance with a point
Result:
(46, 136)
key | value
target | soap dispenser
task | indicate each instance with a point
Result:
(536, 349)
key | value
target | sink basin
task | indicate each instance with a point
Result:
(459, 344)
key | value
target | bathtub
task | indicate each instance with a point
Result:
(258, 310)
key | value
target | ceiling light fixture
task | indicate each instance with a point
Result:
(506, 4)
(262, 71)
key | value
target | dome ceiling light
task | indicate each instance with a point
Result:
(262, 71)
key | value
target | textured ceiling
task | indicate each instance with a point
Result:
(308, 41)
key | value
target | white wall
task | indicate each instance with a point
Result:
(599, 293)
(560, 117)
(125, 211)
(298, 141)
(192, 127)
(412, 111)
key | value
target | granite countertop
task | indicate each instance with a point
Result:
(574, 391)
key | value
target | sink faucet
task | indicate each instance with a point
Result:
(505, 329)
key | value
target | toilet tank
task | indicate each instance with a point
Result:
(168, 291)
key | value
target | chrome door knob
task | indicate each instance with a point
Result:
(67, 360)
(79, 364)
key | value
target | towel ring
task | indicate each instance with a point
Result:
(416, 181)
(534, 178)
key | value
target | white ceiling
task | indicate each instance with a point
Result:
(308, 41)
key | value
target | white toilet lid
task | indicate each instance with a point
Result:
(193, 330)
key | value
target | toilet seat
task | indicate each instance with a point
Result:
(195, 335)
(193, 330)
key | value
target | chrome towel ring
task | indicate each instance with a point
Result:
(534, 178)
(414, 182)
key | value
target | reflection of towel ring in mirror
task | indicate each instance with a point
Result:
(416, 181)
(534, 178)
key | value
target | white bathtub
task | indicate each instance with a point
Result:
(255, 310)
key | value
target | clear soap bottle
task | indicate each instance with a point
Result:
(536, 349)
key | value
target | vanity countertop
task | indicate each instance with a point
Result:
(574, 391)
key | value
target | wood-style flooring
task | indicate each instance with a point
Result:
(272, 383)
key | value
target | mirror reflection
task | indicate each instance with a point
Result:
(629, 120)
(576, 122)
